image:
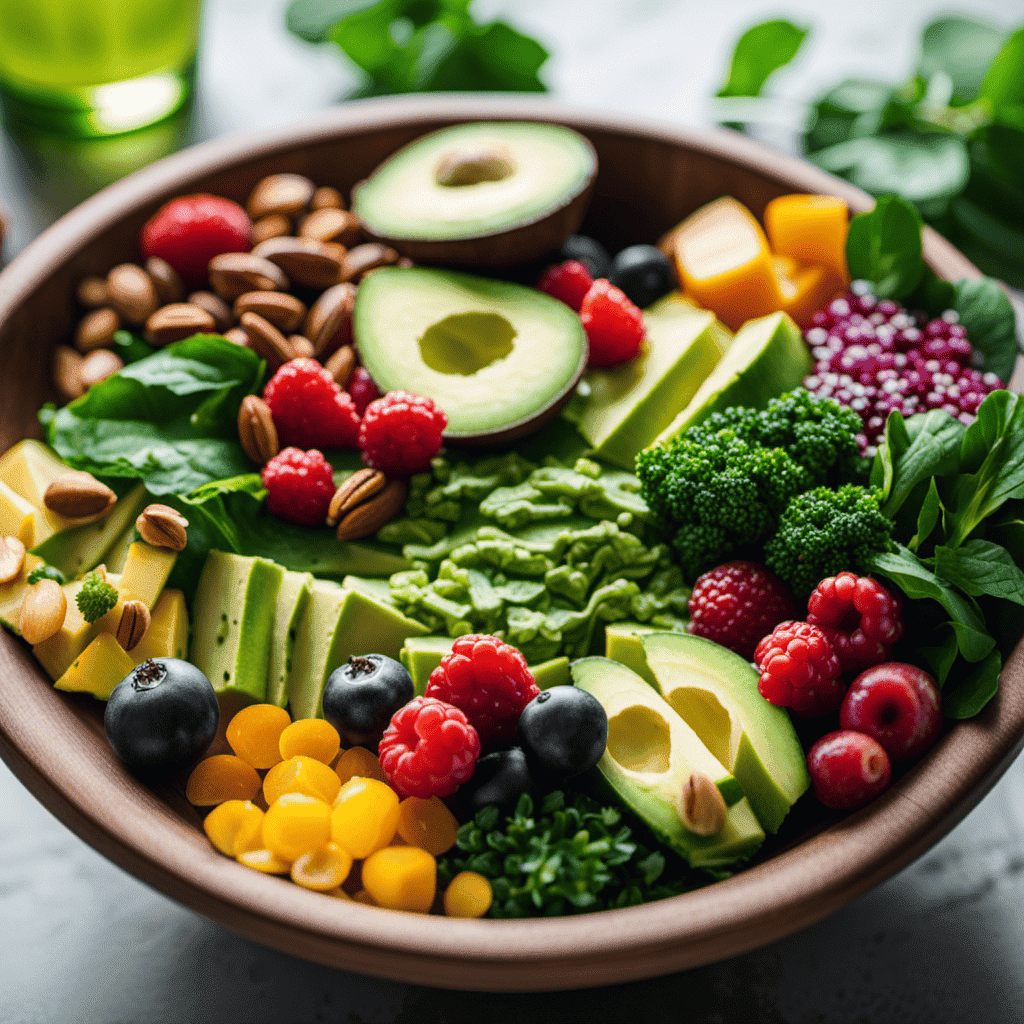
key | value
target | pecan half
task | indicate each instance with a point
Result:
(256, 430)
(135, 619)
(362, 485)
(369, 516)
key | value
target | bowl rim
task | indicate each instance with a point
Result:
(793, 889)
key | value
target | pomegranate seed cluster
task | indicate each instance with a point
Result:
(876, 357)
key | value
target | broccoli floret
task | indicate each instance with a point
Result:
(96, 597)
(825, 531)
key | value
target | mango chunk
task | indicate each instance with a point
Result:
(146, 570)
(810, 229)
(29, 468)
(20, 518)
(167, 636)
(98, 669)
(805, 288)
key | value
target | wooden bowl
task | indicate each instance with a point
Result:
(650, 176)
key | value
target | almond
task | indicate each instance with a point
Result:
(329, 323)
(135, 619)
(341, 365)
(216, 307)
(237, 336)
(165, 279)
(132, 293)
(331, 225)
(12, 559)
(367, 518)
(284, 311)
(67, 372)
(78, 495)
(471, 167)
(256, 430)
(280, 193)
(306, 261)
(274, 225)
(92, 293)
(266, 340)
(176, 321)
(302, 347)
(703, 807)
(366, 257)
(325, 198)
(98, 366)
(162, 527)
(362, 485)
(96, 329)
(233, 273)
(43, 610)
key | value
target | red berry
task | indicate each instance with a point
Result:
(614, 326)
(361, 389)
(299, 486)
(309, 409)
(737, 604)
(848, 769)
(429, 749)
(568, 282)
(401, 433)
(859, 616)
(489, 681)
(189, 231)
(896, 704)
(799, 670)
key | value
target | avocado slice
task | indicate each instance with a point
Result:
(650, 755)
(766, 358)
(623, 643)
(234, 622)
(313, 633)
(498, 358)
(715, 692)
(487, 194)
(629, 405)
(554, 672)
(292, 598)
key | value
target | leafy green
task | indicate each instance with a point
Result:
(884, 246)
(981, 567)
(759, 53)
(962, 49)
(988, 317)
(966, 695)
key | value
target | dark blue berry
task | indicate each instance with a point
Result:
(563, 732)
(643, 273)
(362, 695)
(588, 252)
(499, 778)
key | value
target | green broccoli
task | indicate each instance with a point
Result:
(96, 597)
(825, 531)
(46, 572)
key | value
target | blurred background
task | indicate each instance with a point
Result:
(81, 942)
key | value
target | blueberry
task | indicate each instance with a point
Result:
(643, 273)
(362, 695)
(588, 252)
(499, 778)
(161, 716)
(563, 732)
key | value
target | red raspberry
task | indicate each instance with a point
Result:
(299, 486)
(309, 409)
(568, 282)
(189, 231)
(799, 670)
(361, 389)
(614, 326)
(489, 681)
(429, 749)
(737, 604)
(859, 616)
(401, 433)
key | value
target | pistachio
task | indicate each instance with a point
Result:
(284, 311)
(471, 167)
(274, 225)
(165, 279)
(302, 347)
(78, 495)
(12, 559)
(96, 330)
(306, 261)
(134, 622)
(266, 340)
(366, 257)
(92, 293)
(132, 293)
(97, 366)
(362, 485)
(280, 193)
(67, 372)
(216, 307)
(331, 225)
(329, 323)
(43, 610)
(341, 365)
(256, 430)
(703, 806)
(176, 321)
(367, 518)
(162, 527)
(326, 198)
(233, 273)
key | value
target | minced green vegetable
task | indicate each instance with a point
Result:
(96, 597)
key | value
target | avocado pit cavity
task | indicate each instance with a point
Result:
(704, 714)
(472, 167)
(639, 739)
(465, 343)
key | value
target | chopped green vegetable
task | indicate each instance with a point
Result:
(96, 597)
(46, 572)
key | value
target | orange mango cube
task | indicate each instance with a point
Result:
(810, 229)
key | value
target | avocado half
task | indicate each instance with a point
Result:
(498, 358)
(486, 195)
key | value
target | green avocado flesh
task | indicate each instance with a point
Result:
(489, 353)
(715, 692)
(547, 167)
(650, 755)
(292, 598)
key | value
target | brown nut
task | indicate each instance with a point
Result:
(176, 321)
(98, 366)
(280, 193)
(165, 279)
(132, 293)
(256, 431)
(96, 330)
(302, 347)
(284, 311)
(274, 225)
(306, 261)
(703, 807)
(366, 257)
(471, 167)
(43, 610)
(162, 527)
(92, 293)
(135, 619)
(331, 225)
(233, 273)
(326, 198)
(370, 516)
(67, 372)
(216, 307)
(341, 365)
(362, 485)
(12, 559)
(266, 340)
(78, 495)
(329, 323)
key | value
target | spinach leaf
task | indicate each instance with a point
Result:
(981, 567)
(884, 246)
(759, 53)
(928, 517)
(942, 657)
(1003, 86)
(961, 49)
(964, 696)
(988, 317)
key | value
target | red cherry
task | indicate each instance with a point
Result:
(848, 769)
(896, 704)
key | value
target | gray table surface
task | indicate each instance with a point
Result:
(82, 942)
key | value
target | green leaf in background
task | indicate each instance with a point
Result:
(312, 19)
(884, 246)
(759, 53)
(1004, 83)
(966, 695)
(495, 57)
(853, 109)
(988, 317)
(981, 567)
(962, 49)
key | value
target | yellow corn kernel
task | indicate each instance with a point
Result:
(338, 894)
(219, 778)
(264, 860)
(233, 825)
(427, 824)
(358, 762)
(295, 824)
(312, 737)
(365, 816)
(401, 878)
(255, 733)
(468, 895)
(301, 774)
(323, 869)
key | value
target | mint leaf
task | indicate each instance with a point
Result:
(759, 53)
(883, 246)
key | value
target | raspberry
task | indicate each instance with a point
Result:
(361, 389)
(737, 604)
(860, 618)
(309, 409)
(189, 231)
(568, 282)
(429, 749)
(299, 486)
(799, 670)
(489, 681)
(401, 433)
(614, 326)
